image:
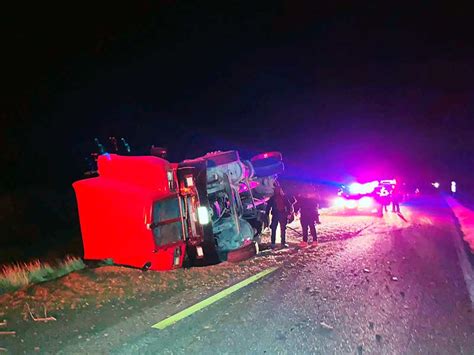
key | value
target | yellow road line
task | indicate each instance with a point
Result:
(210, 300)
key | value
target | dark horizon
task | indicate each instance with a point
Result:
(341, 89)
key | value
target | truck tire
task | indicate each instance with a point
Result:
(266, 158)
(269, 169)
(221, 158)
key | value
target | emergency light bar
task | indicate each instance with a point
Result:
(362, 189)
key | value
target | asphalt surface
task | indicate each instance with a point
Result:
(395, 288)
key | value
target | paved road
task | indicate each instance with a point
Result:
(396, 288)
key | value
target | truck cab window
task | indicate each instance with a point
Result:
(167, 222)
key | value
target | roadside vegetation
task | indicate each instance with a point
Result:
(19, 275)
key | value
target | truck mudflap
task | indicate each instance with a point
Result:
(246, 252)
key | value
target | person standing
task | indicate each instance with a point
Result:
(280, 207)
(385, 198)
(382, 198)
(396, 197)
(307, 205)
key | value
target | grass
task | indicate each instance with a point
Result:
(16, 276)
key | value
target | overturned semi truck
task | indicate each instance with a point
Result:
(146, 212)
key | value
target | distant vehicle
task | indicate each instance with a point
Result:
(388, 184)
(363, 198)
(357, 197)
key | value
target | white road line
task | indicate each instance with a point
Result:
(466, 267)
(464, 263)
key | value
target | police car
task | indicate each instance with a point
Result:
(363, 198)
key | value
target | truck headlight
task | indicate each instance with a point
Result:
(203, 215)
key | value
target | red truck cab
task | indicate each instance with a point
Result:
(132, 213)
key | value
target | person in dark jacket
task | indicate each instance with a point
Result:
(384, 198)
(280, 207)
(396, 198)
(307, 204)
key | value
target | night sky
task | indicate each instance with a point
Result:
(347, 89)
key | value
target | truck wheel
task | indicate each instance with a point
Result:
(269, 169)
(270, 157)
(221, 158)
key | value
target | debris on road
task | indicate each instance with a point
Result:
(311, 290)
(40, 319)
(326, 326)
(8, 332)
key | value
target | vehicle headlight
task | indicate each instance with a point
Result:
(339, 202)
(365, 202)
(351, 204)
(203, 215)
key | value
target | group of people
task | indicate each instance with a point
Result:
(394, 197)
(283, 211)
